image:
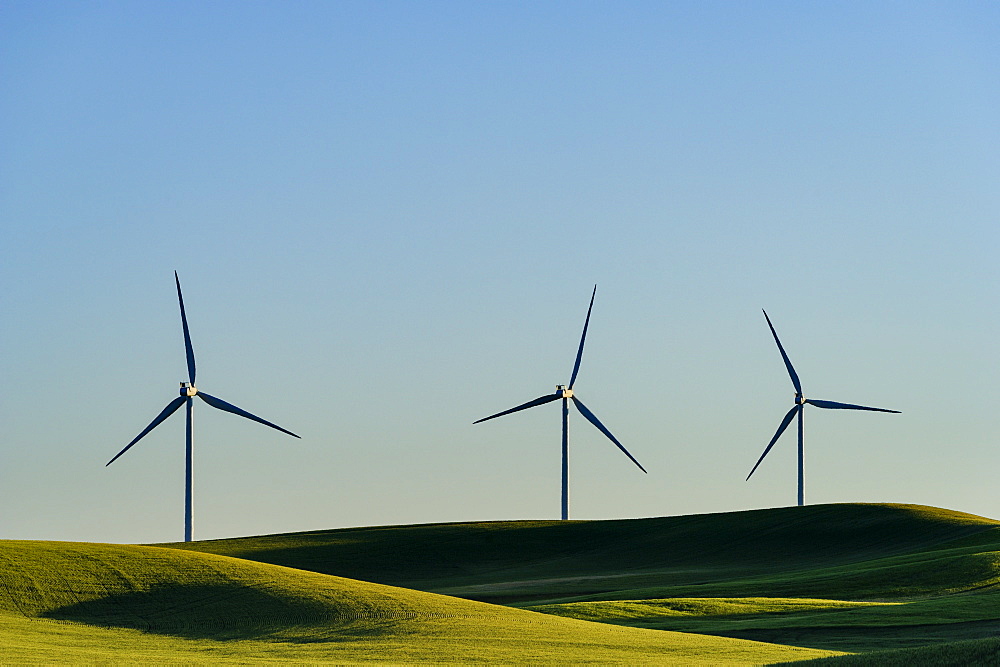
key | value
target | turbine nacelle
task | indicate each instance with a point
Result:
(188, 389)
(563, 392)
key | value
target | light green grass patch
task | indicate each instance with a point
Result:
(706, 614)
(832, 624)
(651, 611)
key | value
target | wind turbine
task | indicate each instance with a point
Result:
(799, 408)
(188, 392)
(566, 393)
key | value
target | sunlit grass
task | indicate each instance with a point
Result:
(648, 612)
(835, 624)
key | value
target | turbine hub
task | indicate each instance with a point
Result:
(800, 399)
(563, 391)
(188, 389)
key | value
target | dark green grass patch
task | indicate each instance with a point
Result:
(827, 551)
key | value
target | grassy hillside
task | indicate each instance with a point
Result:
(859, 578)
(779, 575)
(75, 602)
(784, 552)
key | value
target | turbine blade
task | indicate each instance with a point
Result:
(187, 334)
(592, 418)
(167, 411)
(229, 407)
(541, 400)
(833, 405)
(788, 364)
(777, 434)
(579, 353)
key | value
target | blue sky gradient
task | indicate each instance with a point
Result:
(387, 219)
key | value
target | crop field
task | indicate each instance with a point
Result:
(850, 584)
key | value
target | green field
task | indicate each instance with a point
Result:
(76, 602)
(890, 583)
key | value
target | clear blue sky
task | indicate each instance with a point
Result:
(388, 217)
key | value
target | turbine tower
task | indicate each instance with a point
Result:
(798, 409)
(187, 393)
(566, 394)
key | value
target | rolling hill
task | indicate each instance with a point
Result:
(894, 584)
(776, 552)
(79, 602)
(782, 575)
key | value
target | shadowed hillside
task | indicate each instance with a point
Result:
(852, 577)
(950, 654)
(524, 561)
